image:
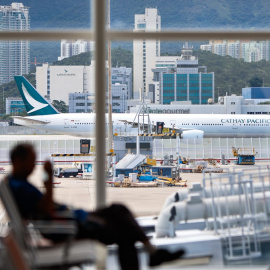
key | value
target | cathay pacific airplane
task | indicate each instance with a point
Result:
(42, 115)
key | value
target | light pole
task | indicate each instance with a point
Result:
(3, 99)
(229, 90)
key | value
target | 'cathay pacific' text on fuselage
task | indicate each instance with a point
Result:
(245, 121)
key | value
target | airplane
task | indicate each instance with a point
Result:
(42, 115)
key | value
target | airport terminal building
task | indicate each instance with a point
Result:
(226, 105)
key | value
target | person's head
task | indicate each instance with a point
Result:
(23, 160)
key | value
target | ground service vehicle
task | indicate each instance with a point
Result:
(66, 172)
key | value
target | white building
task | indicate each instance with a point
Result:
(265, 50)
(226, 105)
(233, 49)
(75, 85)
(145, 51)
(56, 82)
(74, 47)
(220, 49)
(249, 51)
(122, 75)
(85, 102)
(14, 54)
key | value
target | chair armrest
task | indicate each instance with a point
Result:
(55, 227)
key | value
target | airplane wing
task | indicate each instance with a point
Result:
(29, 120)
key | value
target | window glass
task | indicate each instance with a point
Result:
(170, 76)
(187, 14)
(46, 14)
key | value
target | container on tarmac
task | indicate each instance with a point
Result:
(244, 155)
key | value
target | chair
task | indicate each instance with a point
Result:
(71, 252)
(11, 255)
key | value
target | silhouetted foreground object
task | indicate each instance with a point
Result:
(111, 225)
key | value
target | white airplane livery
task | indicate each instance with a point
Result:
(42, 115)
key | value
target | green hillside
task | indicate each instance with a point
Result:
(120, 57)
(233, 72)
(229, 72)
(174, 14)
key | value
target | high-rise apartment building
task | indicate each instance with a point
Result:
(249, 51)
(74, 47)
(145, 51)
(14, 55)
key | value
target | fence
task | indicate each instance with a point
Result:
(209, 147)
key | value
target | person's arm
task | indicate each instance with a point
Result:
(46, 203)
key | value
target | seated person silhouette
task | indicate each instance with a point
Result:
(111, 225)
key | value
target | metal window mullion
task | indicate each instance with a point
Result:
(100, 39)
(130, 35)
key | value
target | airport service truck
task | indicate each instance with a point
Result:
(74, 170)
(66, 172)
(244, 155)
(78, 168)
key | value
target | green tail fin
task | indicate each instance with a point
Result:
(34, 103)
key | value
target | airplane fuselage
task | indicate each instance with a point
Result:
(213, 125)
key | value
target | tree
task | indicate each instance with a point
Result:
(264, 103)
(255, 82)
(60, 105)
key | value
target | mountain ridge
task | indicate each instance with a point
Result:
(174, 14)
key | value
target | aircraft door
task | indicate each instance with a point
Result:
(235, 126)
(66, 123)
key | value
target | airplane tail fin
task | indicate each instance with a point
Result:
(34, 103)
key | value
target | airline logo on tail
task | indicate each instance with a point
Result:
(34, 103)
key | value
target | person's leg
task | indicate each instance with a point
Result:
(121, 221)
(121, 224)
(128, 257)
(116, 224)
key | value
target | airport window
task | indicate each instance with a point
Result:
(121, 35)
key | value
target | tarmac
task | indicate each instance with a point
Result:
(142, 201)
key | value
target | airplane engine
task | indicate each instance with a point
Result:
(192, 134)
